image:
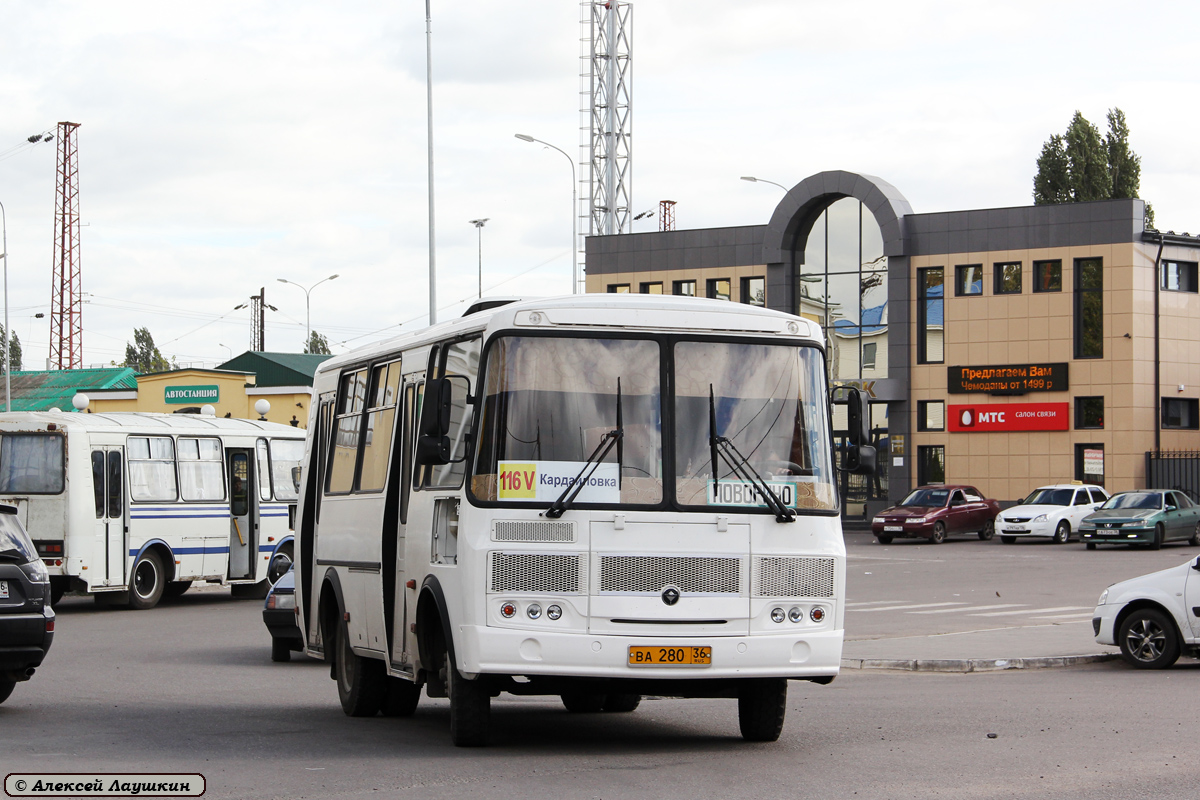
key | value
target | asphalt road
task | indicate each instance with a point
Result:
(189, 687)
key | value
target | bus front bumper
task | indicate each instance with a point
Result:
(501, 651)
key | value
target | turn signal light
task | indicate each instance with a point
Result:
(508, 610)
(817, 614)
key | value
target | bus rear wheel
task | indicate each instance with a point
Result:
(401, 698)
(176, 588)
(583, 702)
(470, 706)
(360, 681)
(147, 582)
(621, 703)
(762, 704)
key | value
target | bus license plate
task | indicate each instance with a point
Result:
(691, 656)
(3, 590)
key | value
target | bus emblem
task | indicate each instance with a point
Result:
(670, 595)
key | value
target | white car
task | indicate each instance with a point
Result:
(1053, 512)
(1152, 618)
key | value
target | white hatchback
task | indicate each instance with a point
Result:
(1053, 512)
(1152, 618)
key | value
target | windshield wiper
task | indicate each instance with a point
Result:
(742, 468)
(607, 441)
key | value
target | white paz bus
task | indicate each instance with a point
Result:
(596, 497)
(131, 506)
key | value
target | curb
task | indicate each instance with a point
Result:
(964, 665)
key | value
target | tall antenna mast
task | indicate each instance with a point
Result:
(66, 298)
(607, 74)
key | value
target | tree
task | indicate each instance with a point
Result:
(14, 351)
(143, 356)
(317, 344)
(1079, 166)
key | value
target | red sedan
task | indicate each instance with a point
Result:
(935, 512)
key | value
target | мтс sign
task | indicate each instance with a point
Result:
(997, 418)
(183, 395)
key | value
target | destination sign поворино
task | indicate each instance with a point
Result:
(1010, 379)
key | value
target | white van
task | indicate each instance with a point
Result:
(1152, 618)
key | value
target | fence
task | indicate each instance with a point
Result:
(1174, 469)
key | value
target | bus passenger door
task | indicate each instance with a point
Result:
(112, 525)
(243, 514)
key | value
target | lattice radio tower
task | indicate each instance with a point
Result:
(606, 91)
(66, 300)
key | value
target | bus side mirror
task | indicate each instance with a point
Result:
(860, 458)
(296, 478)
(433, 444)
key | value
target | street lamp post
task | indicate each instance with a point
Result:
(307, 304)
(479, 223)
(763, 180)
(574, 218)
(7, 332)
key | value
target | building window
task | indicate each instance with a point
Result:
(1047, 276)
(868, 355)
(968, 279)
(1089, 413)
(931, 464)
(754, 291)
(1181, 413)
(1089, 463)
(718, 289)
(1007, 278)
(618, 288)
(931, 415)
(931, 291)
(1089, 308)
(651, 288)
(1179, 276)
(684, 288)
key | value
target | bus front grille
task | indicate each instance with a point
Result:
(557, 573)
(508, 531)
(651, 574)
(778, 576)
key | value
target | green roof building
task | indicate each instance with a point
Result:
(42, 391)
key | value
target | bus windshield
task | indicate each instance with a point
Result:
(549, 403)
(31, 463)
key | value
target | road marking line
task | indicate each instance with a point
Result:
(874, 603)
(1085, 615)
(1032, 611)
(970, 608)
(918, 605)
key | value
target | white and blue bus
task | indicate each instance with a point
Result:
(596, 497)
(133, 506)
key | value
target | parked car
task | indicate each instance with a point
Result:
(1052, 512)
(279, 615)
(1152, 618)
(935, 512)
(26, 619)
(1151, 517)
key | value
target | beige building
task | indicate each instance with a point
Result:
(1004, 348)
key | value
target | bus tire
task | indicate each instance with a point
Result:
(58, 587)
(583, 702)
(762, 704)
(470, 707)
(6, 688)
(360, 681)
(621, 703)
(146, 581)
(176, 588)
(400, 698)
(249, 591)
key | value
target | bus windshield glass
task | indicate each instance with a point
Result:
(549, 403)
(769, 402)
(31, 463)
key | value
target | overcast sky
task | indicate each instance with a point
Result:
(225, 145)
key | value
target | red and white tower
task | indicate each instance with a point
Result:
(66, 300)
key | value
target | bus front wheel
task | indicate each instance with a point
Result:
(360, 681)
(762, 704)
(470, 706)
(147, 582)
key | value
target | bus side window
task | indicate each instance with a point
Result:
(409, 417)
(264, 470)
(98, 481)
(460, 360)
(381, 419)
(116, 486)
(347, 429)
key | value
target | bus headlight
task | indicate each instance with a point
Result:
(553, 612)
(777, 615)
(534, 611)
(796, 614)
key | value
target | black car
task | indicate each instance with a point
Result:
(26, 619)
(279, 615)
